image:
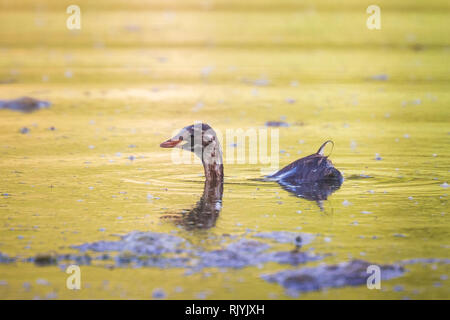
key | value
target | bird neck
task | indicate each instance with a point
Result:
(213, 162)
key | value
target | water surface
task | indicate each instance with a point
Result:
(129, 78)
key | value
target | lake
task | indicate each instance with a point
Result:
(88, 173)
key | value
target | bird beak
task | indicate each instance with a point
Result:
(171, 143)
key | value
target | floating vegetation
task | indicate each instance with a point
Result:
(285, 236)
(49, 259)
(4, 258)
(153, 249)
(24, 104)
(352, 273)
(143, 243)
(426, 261)
(45, 259)
(277, 124)
(24, 130)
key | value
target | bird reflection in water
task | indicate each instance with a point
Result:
(205, 213)
(313, 191)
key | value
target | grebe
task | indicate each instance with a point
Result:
(313, 177)
(202, 140)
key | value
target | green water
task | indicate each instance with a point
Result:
(137, 71)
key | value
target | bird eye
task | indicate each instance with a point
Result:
(180, 138)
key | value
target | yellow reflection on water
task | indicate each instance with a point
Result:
(137, 71)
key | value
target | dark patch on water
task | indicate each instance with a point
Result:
(352, 273)
(49, 259)
(151, 249)
(125, 259)
(24, 104)
(45, 259)
(277, 124)
(24, 130)
(151, 243)
(285, 236)
(161, 250)
(293, 257)
(4, 258)
(426, 261)
(249, 253)
(248, 246)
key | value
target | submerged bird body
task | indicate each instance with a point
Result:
(313, 168)
(313, 177)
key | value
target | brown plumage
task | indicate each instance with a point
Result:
(202, 140)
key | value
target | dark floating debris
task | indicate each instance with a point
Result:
(24, 130)
(249, 253)
(286, 237)
(159, 294)
(125, 259)
(352, 273)
(248, 246)
(152, 249)
(45, 259)
(277, 124)
(425, 261)
(50, 259)
(143, 249)
(24, 104)
(298, 242)
(149, 243)
(4, 258)
(293, 257)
